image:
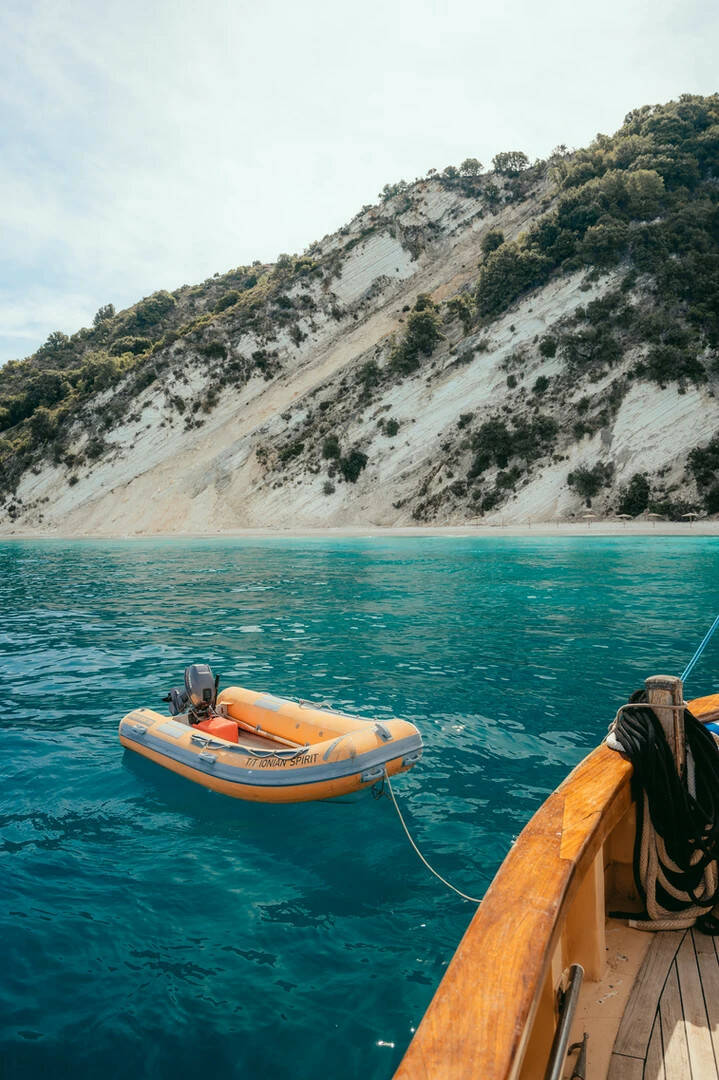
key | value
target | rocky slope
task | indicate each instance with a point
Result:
(510, 346)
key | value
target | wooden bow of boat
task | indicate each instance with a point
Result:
(494, 1014)
(544, 909)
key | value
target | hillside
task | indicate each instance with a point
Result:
(506, 345)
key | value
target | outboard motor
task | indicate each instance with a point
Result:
(201, 687)
(199, 695)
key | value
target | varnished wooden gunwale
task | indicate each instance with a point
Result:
(480, 1018)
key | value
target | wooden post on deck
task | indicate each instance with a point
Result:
(664, 690)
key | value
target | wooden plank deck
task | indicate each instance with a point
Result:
(670, 1028)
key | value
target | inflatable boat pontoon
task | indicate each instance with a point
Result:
(252, 745)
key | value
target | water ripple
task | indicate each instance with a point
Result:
(152, 928)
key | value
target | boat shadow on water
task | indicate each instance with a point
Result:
(176, 794)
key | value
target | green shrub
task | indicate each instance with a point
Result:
(228, 300)
(43, 424)
(95, 448)
(352, 465)
(144, 377)
(151, 310)
(292, 450)
(462, 307)
(591, 348)
(703, 464)
(578, 174)
(305, 266)
(214, 350)
(134, 345)
(492, 194)
(45, 388)
(491, 443)
(496, 443)
(56, 346)
(506, 479)
(548, 347)
(389, 190)
(603, 244)
(634, 499)
(104, 314)
(510, 163)
(506, 273)
(471, 167)
(423, 329)
(420, 338)
(588, 482)
(491, 241)
(331, 447)
(711, 499)
(540, 385)
(368, 374)
(672, 509)
(490, 500)
(666, 363)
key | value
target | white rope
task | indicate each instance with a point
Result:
(653, 866)
(472, 899)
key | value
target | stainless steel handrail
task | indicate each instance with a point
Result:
(568, 1005)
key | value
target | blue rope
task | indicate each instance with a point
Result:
(707, 637)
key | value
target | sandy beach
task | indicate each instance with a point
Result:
(584, 529)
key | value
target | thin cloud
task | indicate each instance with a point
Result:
(148, 146)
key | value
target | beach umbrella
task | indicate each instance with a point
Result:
(691, 515)
(588, 518)
(625, 518)
(655, 516)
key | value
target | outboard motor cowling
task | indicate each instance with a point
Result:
(199, 695)
(200, 686)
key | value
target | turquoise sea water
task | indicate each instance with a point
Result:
(151, 928)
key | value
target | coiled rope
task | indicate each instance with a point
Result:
(472, 899)
(677, 833)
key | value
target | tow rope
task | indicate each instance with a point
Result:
(386, 780)
(677, 834)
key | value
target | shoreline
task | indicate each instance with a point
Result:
(538, 529)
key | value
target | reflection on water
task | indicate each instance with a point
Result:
(152, 928)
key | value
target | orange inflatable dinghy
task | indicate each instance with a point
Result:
(252, 745)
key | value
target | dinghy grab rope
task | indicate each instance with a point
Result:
(472, 899)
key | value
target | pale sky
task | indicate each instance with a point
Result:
(148, 145)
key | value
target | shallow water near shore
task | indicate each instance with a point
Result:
(152, 928)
